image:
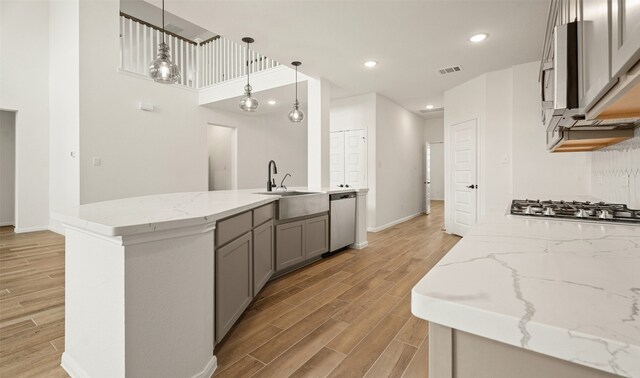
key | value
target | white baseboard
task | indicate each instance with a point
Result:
(391, 224)
(360, 245)
(30, 229)
(56, 227)
(212, 365)
(75, 371)
(72, 368)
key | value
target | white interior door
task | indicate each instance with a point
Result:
(464, 176)
(336, 158)
(427, 176)
(355, 145)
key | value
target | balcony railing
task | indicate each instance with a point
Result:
(201, 64)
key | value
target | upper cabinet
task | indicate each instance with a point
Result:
(625, 34)
(594, 50)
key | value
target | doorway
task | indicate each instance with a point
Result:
(463, 176)
(222, 152)
(7, 167)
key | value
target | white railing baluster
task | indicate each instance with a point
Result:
(130, 63)
(138, 52)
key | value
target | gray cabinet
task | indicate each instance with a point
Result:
(299, 241)
(316, 236)
(625, 35)
(290, 244)
(594, 51)
(234, 282)
(263, 259)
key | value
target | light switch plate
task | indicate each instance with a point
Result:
(97, 162)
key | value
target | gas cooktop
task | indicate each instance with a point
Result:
(577, 210)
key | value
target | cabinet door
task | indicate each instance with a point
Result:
(317, 236)
(355, 156)
(625, 35)
(594, 51)
(336, 158)
(290, 243)
(263, 264)
(234, 286)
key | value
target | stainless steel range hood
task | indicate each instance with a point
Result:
(569, 127)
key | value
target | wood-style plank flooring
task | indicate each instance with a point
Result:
(345, 316)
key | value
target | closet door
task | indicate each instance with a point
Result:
(355, 156)
(336, 157)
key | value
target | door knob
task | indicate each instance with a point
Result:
(471, 186)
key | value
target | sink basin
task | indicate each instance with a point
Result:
(296, 204)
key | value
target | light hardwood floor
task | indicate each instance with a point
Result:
(344, 316)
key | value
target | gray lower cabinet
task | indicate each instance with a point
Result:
(234, 282)
(316, 236)
(290, 244)
(263, 259)
(299, 241)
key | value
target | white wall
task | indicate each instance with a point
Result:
(615, 174)
(399, 162)
(513, 160)
(165, 150)
(7, 167)
(272, 137)
(64, 109)
(24, 86)
(434, 134)
(359, 113)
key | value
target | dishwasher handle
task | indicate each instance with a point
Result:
(340, 196)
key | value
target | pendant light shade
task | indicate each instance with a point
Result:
(296, 115)
(248, 103)
(163, 70)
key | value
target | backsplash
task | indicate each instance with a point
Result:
(615, 172)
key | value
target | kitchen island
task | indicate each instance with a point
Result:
(140, 290)
(526, 297)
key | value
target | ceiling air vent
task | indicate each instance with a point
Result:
(448, 70)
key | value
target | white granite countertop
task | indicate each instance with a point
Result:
(566, 289)
(168, 211)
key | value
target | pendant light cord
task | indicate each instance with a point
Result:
(248, 67)
(162, 21)
(296, 83)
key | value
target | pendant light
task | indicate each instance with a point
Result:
(163, 70)
(296, 115)
(248, 103)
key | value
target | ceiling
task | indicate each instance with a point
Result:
(283, 96)
(411, 40)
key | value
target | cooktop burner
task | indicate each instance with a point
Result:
(595, 211)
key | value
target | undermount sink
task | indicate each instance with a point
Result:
(295, 204)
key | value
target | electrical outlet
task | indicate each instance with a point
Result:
(97, 162)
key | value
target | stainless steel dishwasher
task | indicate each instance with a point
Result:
(343, 220)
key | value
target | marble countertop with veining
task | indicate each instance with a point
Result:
(566, 289)
(162, 212)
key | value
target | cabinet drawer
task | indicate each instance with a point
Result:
(232, 228)
(262, 214)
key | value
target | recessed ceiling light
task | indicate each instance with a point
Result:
(370, 63)
(429, 107)
(479, 37)
(271, 102)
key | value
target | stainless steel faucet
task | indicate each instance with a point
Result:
(282, 186)
(271, 183)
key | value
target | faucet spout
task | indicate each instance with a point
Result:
(271, 183)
